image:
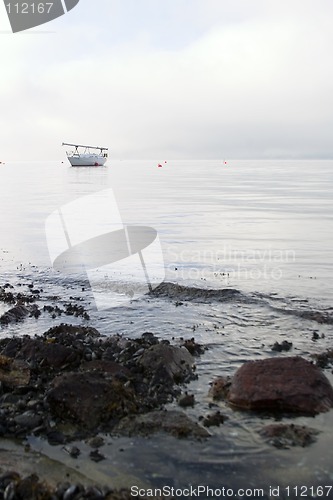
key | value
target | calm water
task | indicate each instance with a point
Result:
(261, 227)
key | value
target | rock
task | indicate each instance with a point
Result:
(215, 419)
(55, 437)
(64, 329)
(48, 354)
(186, 400)
(72, 451)
(284, 346)
(324, 359)
(110, 367)
(174, 422)
(194, 294)
(14, 373)
(96, 456)
(220, 388)
(168, 362)
(90, 399)
(288, 384)
(193, 347)
(96, 442)
(28, 420)
(16, 313)
(286, 435)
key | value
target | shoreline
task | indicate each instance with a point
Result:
(146, 374)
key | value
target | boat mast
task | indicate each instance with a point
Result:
(82, 146)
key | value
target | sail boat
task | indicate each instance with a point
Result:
(82, 156)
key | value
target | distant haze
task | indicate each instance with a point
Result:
(171, 79)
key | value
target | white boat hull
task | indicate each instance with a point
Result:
(86, 160)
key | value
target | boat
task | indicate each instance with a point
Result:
(82, 156)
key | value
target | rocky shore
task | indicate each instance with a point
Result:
(73, 384)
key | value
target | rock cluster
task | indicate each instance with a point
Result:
(13, 486)
(73, 375)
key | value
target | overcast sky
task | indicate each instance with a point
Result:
(171, 79)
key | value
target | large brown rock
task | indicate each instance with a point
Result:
(286, 384)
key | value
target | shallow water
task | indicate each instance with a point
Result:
(261, 228)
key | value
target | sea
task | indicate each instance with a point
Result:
(259, 228)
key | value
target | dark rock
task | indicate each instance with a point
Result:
(96, 442)
(90, 399)
(324, 359)
(173, 422)
(284, 346)
(48, 354)
(28, 420)
(105, 366)
(181, 292)
(168, 362)
(286, 435)
(63, 330)
(96, 456)
(186, 400)
(13, 373)
(73, 451)
(288, 384)
(220, 388)
(55, 437)
(16, 313)
(215, 419)
(193, 347)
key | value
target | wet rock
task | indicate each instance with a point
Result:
(105, 366)
(15, 487)
(168, 362)
(48, 354)
(284, 346)
(176, 423)
(64, 330)
(318, 316)
(220, 388)
(324, 359)
(28, 420)
(288, 384)
(15, 314)
(193, 347)
(96, 442)
(7, 297)
(186, 400)
(181, 292)
(81, 383)
(13, 373)
(287, 435)
(96, 456)
(55, 437)
(214, 419)
(72, 451)
(90, 399)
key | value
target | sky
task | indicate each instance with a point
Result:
(180, 79)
